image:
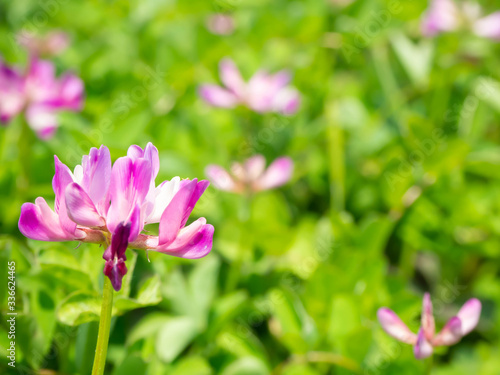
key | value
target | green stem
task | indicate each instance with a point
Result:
(428, 365)
(337, 160)
(104, 326)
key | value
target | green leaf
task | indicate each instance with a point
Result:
(174, 336)
(246, 366)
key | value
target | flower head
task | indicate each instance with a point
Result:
(446, 16)
(52, 43)
(426, 339)
(39, 94)
(110, 204)
(263, 93)
(251, 176)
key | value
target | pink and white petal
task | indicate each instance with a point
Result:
(80, 207)
(221, 179)
(196, 246)
(41, 84)
(488, 27)
(217, 96)
(12, 97)
(450, 334)
(56, 42)
(97, 176)
(277, 174)
(469, 315)
(428, 324)
(287, 101)
(151, 154)
(281, 79)
(395, 327)
(254, 167)
(161, 198)
(38, 222)
(422, 348)
(442, 15)
(172, 217)
(43, 120)
(231, 77)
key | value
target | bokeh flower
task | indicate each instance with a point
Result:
(426, 339)
(110, 204)
(220, 24)
(252, 175)
(49, 44)
(264, 92)
(39, 94)
(447, 16)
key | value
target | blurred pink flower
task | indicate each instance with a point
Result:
(50, 44)
(220, 24)
(110, 204)
(263, 93)
(447, 16)
(39, 94)
(251, 175)
(426, 339)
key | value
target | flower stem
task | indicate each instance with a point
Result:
(104, 326)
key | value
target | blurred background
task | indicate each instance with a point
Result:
(395, 190)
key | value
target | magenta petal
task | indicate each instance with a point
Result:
(39, 222)
(488, 27)
(221, 179)
(469, 315)
(231, 77)
(114, 255)
(71, 91)
(80, 207)
(200, 188)
(391, 324)
(150, 153)
(173, 216)
(11, 93)
(217, 96)
(192, 246)
(62, 178)
(277, 174)
(450, 334)
(423, 348)
(428, 325)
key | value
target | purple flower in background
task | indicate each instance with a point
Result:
(446, 16)
(426, 339)
(220, 24)
(39, 94)
(50, 44)
(110, 204)
(252, 175)
(263, 93)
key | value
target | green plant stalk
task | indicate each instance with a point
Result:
(104, 327)
(428, 365)
(336, 160)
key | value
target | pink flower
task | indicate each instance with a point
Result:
(251, 176)
(426, 339)
(111, 204)
(39, 94)
(220, 24)
(52, 43)
(263, 93)
(446, 16)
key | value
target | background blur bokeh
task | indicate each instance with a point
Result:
(395, 190)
